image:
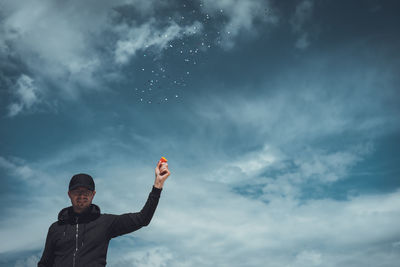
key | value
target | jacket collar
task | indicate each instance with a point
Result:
(67, 215)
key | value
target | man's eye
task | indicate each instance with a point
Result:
(85, 193)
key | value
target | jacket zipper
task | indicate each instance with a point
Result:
(76, 241)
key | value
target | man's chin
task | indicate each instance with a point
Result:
(81, 207)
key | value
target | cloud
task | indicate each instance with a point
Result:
(45, 38)
(26, 93)
(239, 231)
(302, 15)
(308, 258)
(82, 46)
(302, 42)
(242, 17)
(73, 43)
(145, 257)
(196, 209)
(149, 36)
(291, 139)
(242, 160)
(18, 169)
(31, 261)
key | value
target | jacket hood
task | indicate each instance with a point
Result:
(67, 215)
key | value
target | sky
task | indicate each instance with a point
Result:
(279, 120)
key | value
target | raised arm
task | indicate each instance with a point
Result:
(129, 222)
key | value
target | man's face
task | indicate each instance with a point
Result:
(81, 198)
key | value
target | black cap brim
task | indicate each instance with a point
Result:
(81, 185)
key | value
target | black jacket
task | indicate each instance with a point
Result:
(81, 240)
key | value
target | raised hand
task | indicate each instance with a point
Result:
(162, 172)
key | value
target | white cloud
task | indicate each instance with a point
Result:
(31, 261)
(245, 168)
(241, 15)
(26, 94)
(217, 227)
(150, 36)
(326, 167)
(55, 38)
(307, 258)
(63, 45)
(145, 257)
(18, 169)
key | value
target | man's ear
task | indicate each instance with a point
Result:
(94, 193)
(69, 194)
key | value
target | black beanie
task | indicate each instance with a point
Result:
(81, 179)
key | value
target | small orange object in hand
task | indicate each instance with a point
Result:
(163, 160)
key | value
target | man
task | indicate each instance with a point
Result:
(81, 235)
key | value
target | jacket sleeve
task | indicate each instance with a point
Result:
(47, 259)
(129, 222)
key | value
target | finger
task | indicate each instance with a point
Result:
(164, 169)
(159, 165)
(158, 168)
(165, 174)
(164, 164)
